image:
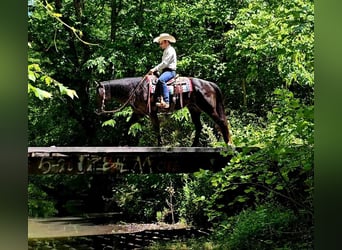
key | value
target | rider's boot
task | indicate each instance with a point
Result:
(163, 104)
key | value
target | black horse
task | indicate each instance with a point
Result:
(204, 97)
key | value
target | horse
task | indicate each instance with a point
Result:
(205, 96)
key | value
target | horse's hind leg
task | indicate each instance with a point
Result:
(195, 116)
(221, 121)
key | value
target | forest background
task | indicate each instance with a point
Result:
(260, 53)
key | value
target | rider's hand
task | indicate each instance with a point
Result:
(150, 72)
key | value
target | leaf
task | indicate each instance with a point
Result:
(110, 122)
(307, 166)
(71, 93)
(29, 88)
(62, 88)
(269, 181)
(250, 189)
(31, 76)
(66, 91)
(48, 80)
(241, 198)
(134, 129)
(41, 94)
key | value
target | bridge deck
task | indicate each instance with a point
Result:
(119, 160)
(123, 150)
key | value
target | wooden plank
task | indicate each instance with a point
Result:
(122, 149)
(121, 160)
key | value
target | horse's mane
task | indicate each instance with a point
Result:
(123, 81)
(120, 86)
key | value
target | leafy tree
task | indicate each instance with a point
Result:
(271, 46)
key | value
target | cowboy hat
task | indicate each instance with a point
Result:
(164, 36)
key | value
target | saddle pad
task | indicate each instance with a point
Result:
(181, 85)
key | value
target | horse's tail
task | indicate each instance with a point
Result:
(220, 109)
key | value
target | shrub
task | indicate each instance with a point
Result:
(193, 198)
(143, 197)
(268, 226)
(38, 203)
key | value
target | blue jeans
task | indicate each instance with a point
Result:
(163, 78)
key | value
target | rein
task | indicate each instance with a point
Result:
(130, 98)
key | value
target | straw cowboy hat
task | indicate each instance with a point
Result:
(164, 36)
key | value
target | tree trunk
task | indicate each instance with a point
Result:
(79, 109)
(116, 6)
(243, 85)
(79, 6)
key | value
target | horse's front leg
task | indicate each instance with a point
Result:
(195, 116)
(156, 127)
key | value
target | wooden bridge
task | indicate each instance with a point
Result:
(120, 160)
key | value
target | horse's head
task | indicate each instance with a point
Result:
(100, 98)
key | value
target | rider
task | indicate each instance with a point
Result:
(167, 66)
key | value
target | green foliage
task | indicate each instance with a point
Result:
(110, 122)
(280, 31)
(268, 226)
(35, 75)
(281, 169)
(70, 195)
(126, 113)
(135, 129)
(39, 203)
(261, 228)
(99, 64)
(50, 124)
(142, 197)
(271, 45)
(194, 196)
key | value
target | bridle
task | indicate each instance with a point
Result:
(129, 100)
